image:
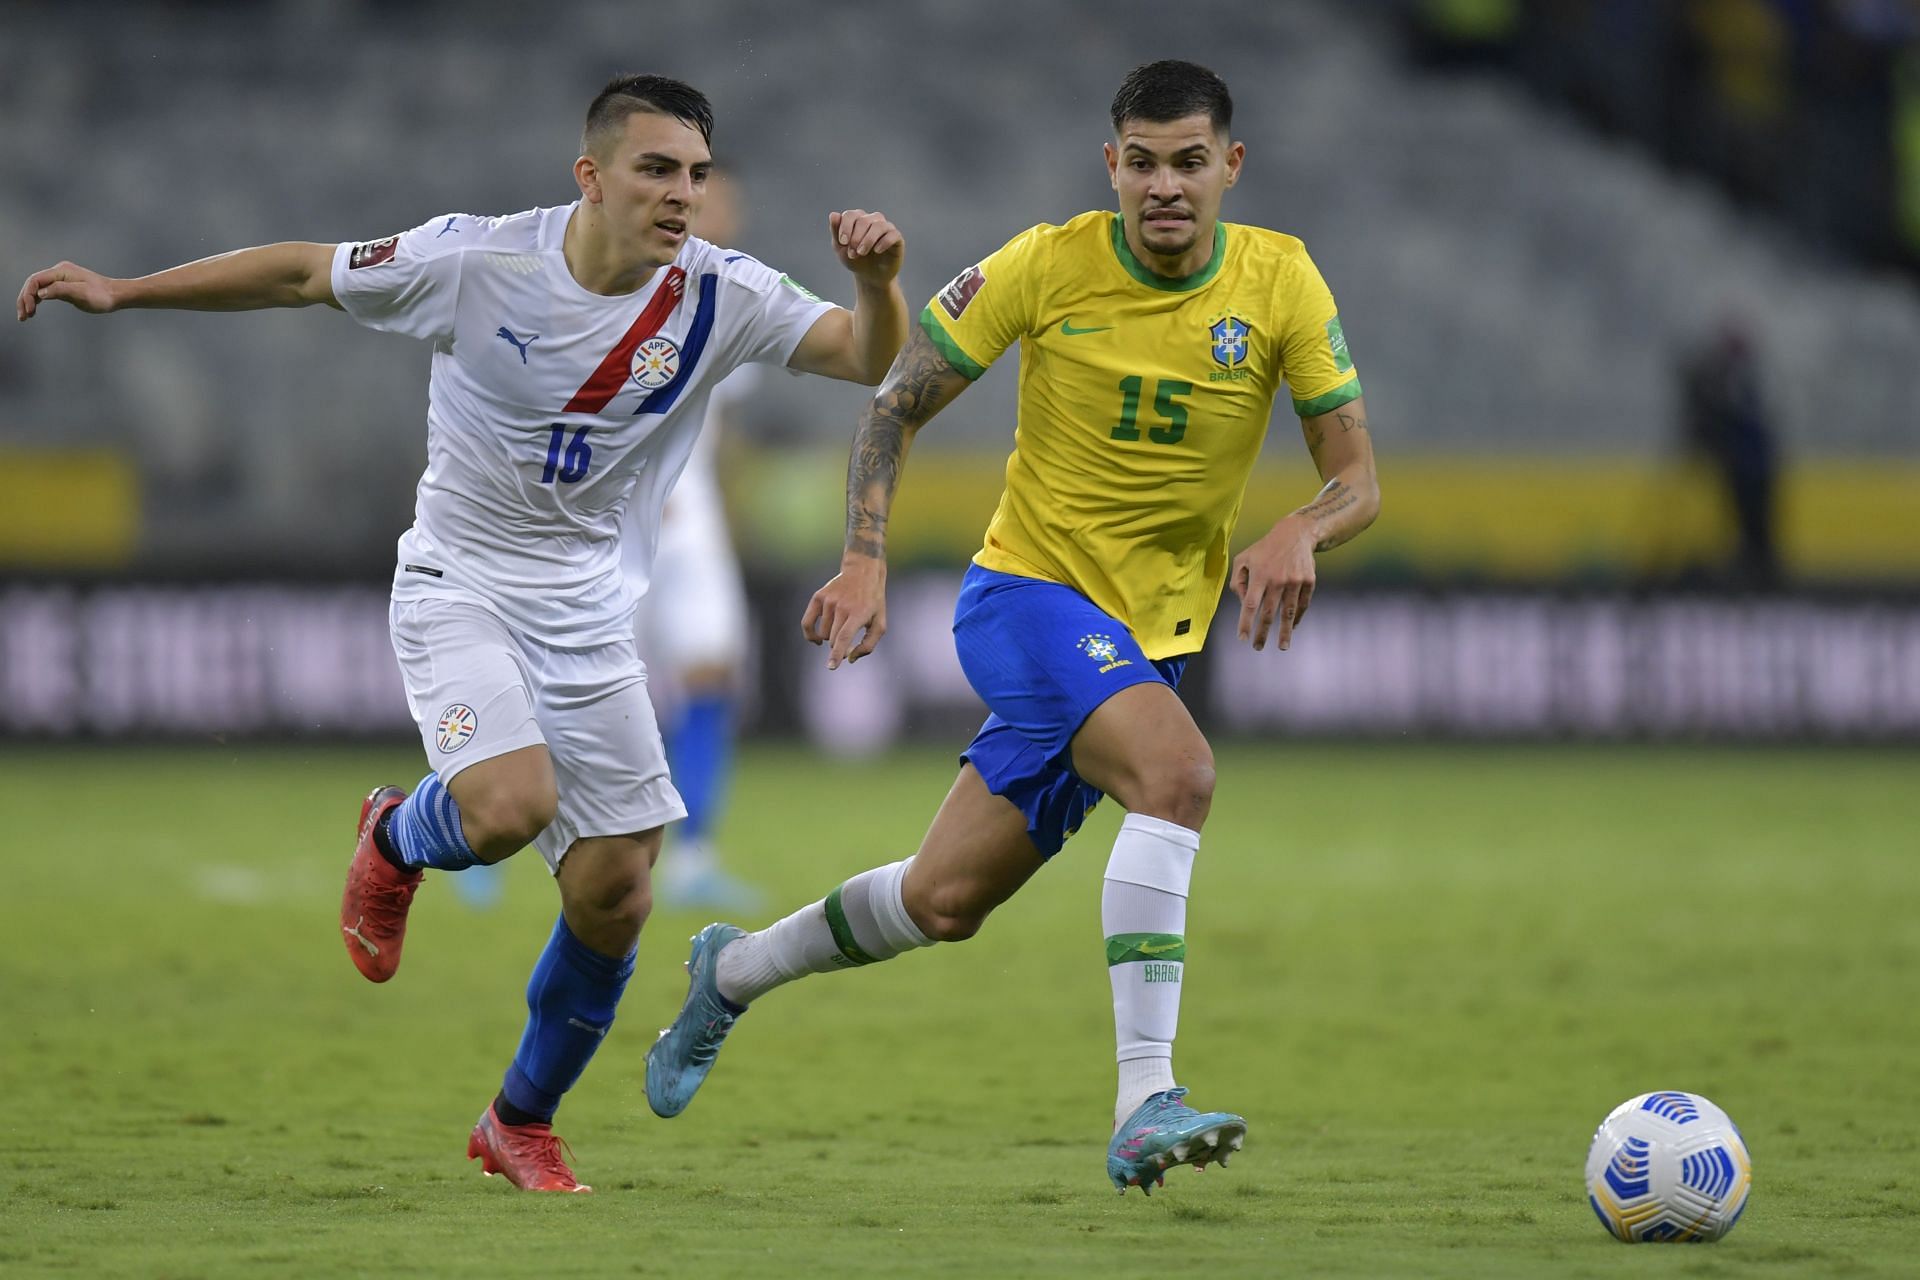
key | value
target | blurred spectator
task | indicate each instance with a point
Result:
(1808, 107)
(1740, 93)
(1907, 154)
(1465, 32)
(1725, 423)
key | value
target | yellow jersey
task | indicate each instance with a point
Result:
(1143, 404)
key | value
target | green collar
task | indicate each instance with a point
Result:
(1184, 284)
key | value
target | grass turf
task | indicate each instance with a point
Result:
(1423, 974)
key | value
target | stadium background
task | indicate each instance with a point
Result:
(1538, 219)
(1527, 248)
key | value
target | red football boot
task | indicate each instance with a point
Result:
(373, 910)
(528, 1154)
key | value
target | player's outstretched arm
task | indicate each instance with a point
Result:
(291, 274)
(1274, 577)
(859, 345)
(919, 385)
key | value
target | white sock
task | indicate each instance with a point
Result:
(862, 922)
(1140, 1078)
(1143, 912)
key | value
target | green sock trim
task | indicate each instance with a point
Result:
(842, 931)
(1126, 948)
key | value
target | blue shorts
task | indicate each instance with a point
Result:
(1042, 657)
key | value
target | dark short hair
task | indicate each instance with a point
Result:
(1172, 90)
(662, 95)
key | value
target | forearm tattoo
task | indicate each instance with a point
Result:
(917, 386)
(1333, 499)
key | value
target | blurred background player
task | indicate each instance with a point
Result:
(1153, 343)
(692, 626)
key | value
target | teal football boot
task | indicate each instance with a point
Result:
(1163, 1132)
(680, 1059)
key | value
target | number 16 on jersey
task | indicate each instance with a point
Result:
(569, 467)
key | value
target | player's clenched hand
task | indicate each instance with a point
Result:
(855, 602)
(867, 245)
(1274, 579)
(88, 290)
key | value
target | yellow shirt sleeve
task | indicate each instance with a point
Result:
(989, 306)
(1313, 350)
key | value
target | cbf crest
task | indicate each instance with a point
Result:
(655, 362)
(1230, 341)
(1102, 650)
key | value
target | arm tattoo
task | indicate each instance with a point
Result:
(1317, 434)
(1334, 498)
(918, 386)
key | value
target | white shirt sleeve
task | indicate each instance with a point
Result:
(403, 284)
(781, 312)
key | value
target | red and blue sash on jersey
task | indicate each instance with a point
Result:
(697, 334)
(611, 375)
(617, 365)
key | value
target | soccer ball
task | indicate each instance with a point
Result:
(1668, 1166)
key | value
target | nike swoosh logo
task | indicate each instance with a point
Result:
(1066, 327)
(1154, 949)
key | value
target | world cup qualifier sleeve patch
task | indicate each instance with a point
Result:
(955, 297)
(457, 724)
(373, 253)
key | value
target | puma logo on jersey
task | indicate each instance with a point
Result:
(521, 346)
(451, 218)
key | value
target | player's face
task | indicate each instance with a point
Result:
(648, 180)
(1171, 176)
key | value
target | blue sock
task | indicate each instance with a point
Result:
(570, 1002)
(700, 752)
(424, 831)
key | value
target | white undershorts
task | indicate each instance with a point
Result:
(479, 689)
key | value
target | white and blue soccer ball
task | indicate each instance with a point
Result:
(1668, 1166)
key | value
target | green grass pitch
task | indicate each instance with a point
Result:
(1423, 974)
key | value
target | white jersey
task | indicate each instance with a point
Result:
(552, 409)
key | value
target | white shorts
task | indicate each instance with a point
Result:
(479, 689)
(694, 613)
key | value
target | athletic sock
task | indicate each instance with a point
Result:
(862, 922)
(1143, 910)
(425, 831)
(700, 752)
(509, 1114)
(383, 840)
(571, 1000)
